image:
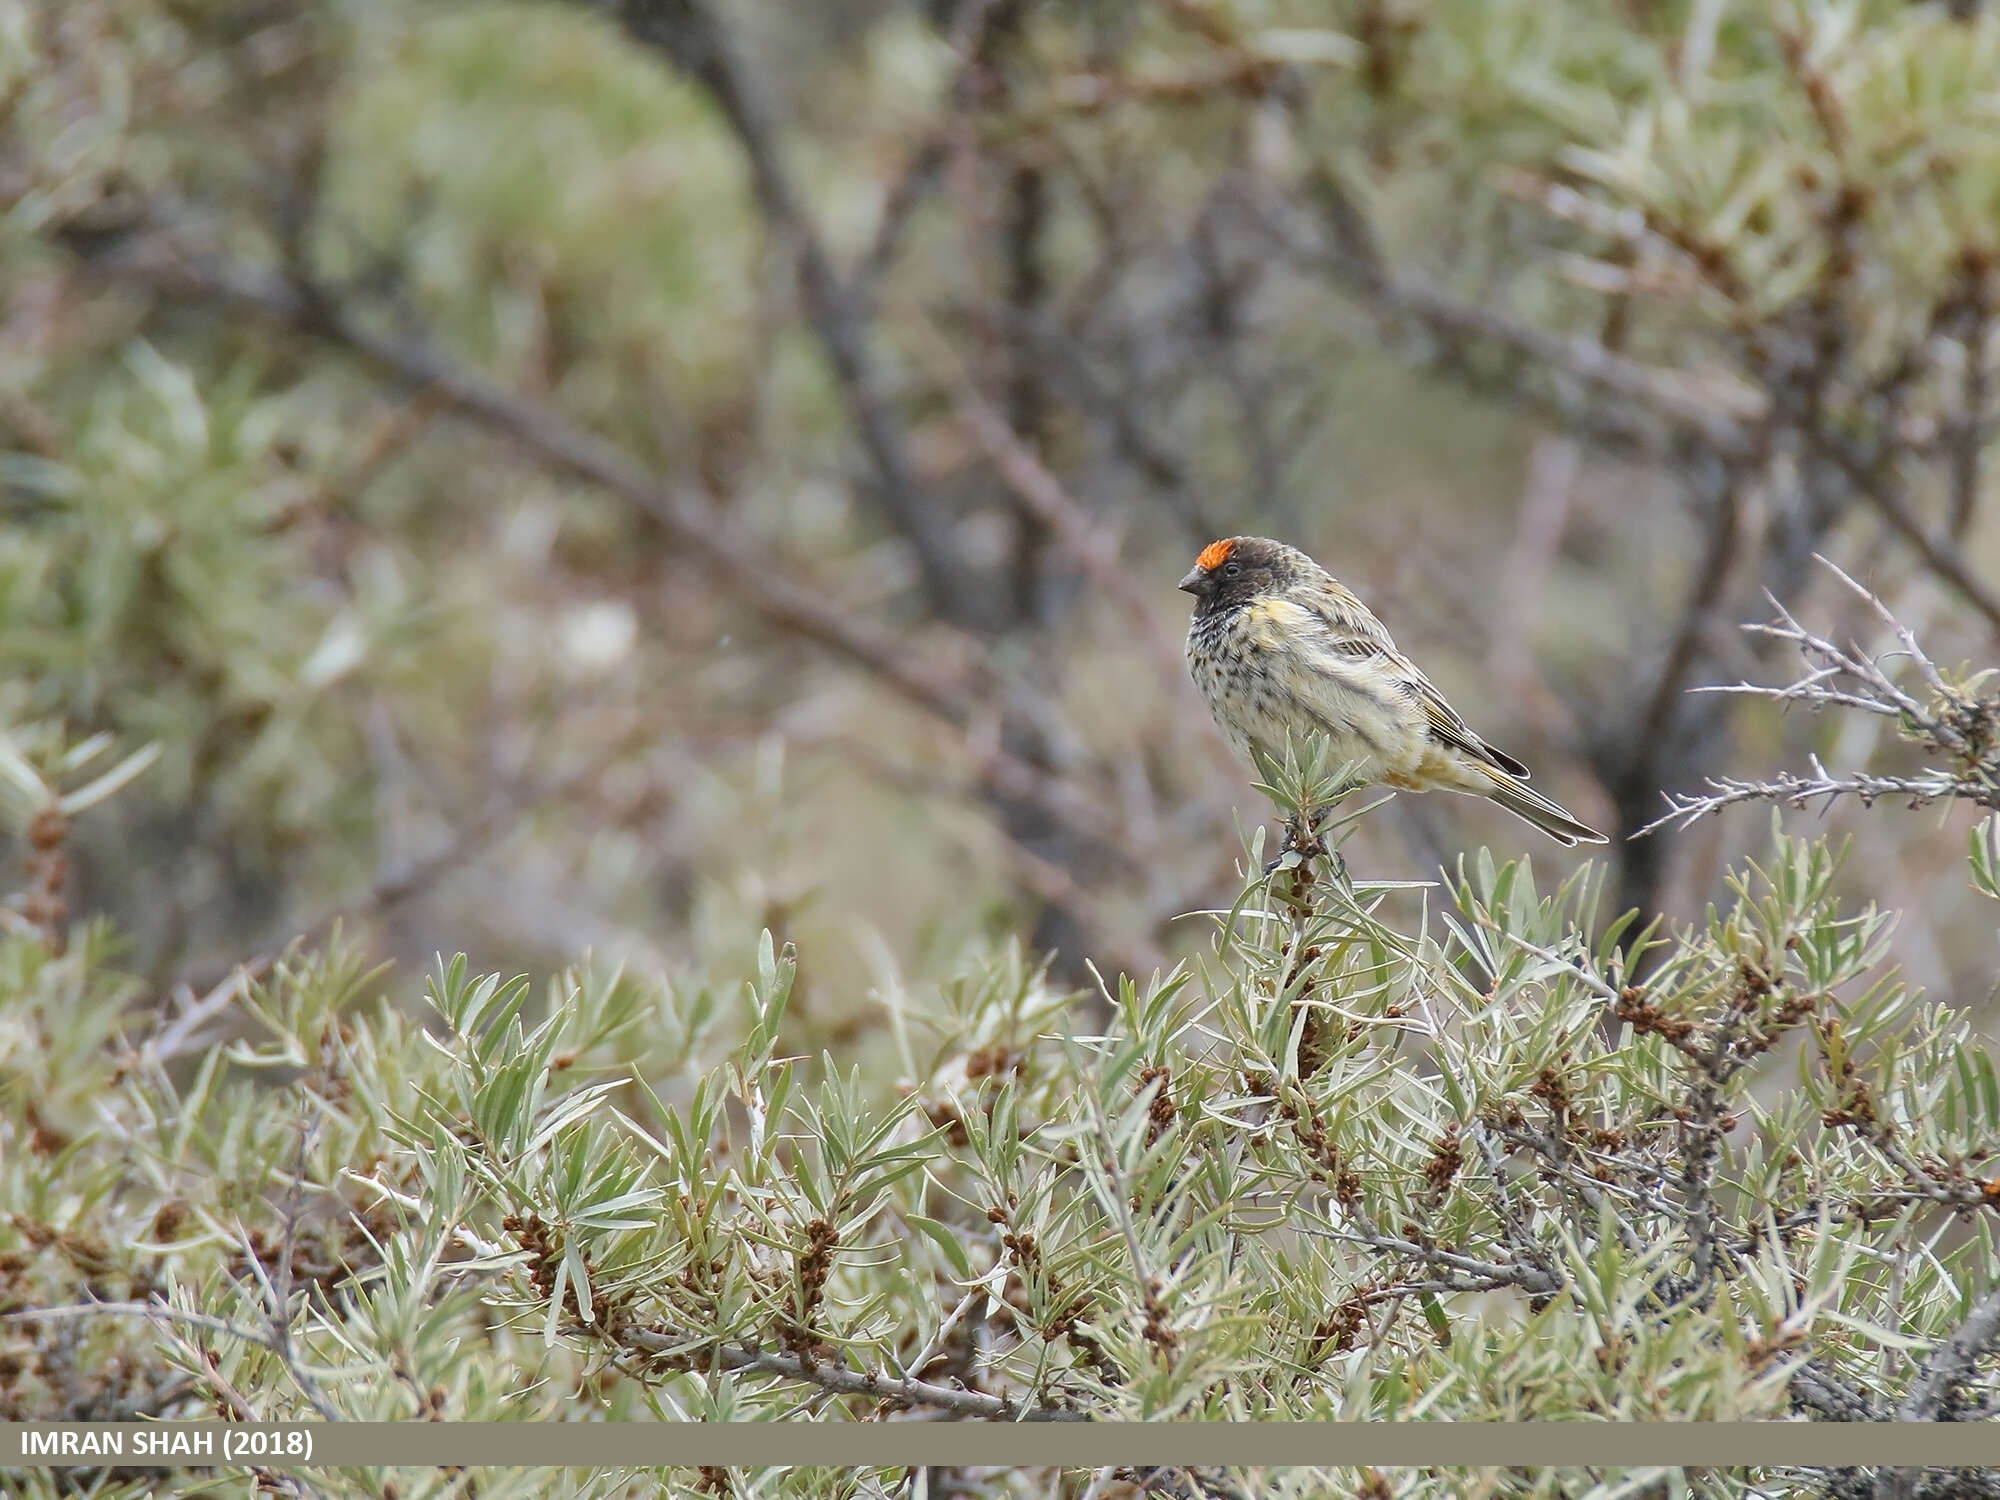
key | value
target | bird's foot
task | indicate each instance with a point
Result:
(1304, 840)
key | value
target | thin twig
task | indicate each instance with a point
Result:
(1093, 546)
(1853, 679)
(184, 1034)
(692, 1354)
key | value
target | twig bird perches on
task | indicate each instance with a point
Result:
(1278, 648)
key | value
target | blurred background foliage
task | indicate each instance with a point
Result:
(615, 475)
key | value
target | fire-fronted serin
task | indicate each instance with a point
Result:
(1276, 646)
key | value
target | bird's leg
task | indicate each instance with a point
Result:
(1305, 836)
(1295, 838)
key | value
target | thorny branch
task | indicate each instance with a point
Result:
(1952, 720)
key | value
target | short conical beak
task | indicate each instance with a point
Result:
(1196, 577)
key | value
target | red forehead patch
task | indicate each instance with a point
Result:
(1215, 554)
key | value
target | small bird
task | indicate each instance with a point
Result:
(1277, 646)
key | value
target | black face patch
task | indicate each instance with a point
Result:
(1233, 593)
(1243, 570)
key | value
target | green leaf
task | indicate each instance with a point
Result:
(941, 1236)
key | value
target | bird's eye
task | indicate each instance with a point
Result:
(1232, 570)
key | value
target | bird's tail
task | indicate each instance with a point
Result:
(1528, 804)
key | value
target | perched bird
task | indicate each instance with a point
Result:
(1277, 646)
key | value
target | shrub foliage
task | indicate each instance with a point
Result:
(1461, 1152)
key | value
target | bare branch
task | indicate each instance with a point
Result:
(1717, 410)
(1789, 790)
(1942, 555)
(694, 522)
(1814, 1387)
(1093, 546)
(1967, 438)
(155, 1311)
(672, 1351)
(1950, 1364)
(1951, 721)
(694, 38)
(1489, 1275)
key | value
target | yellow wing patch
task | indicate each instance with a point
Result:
(1278, 622)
